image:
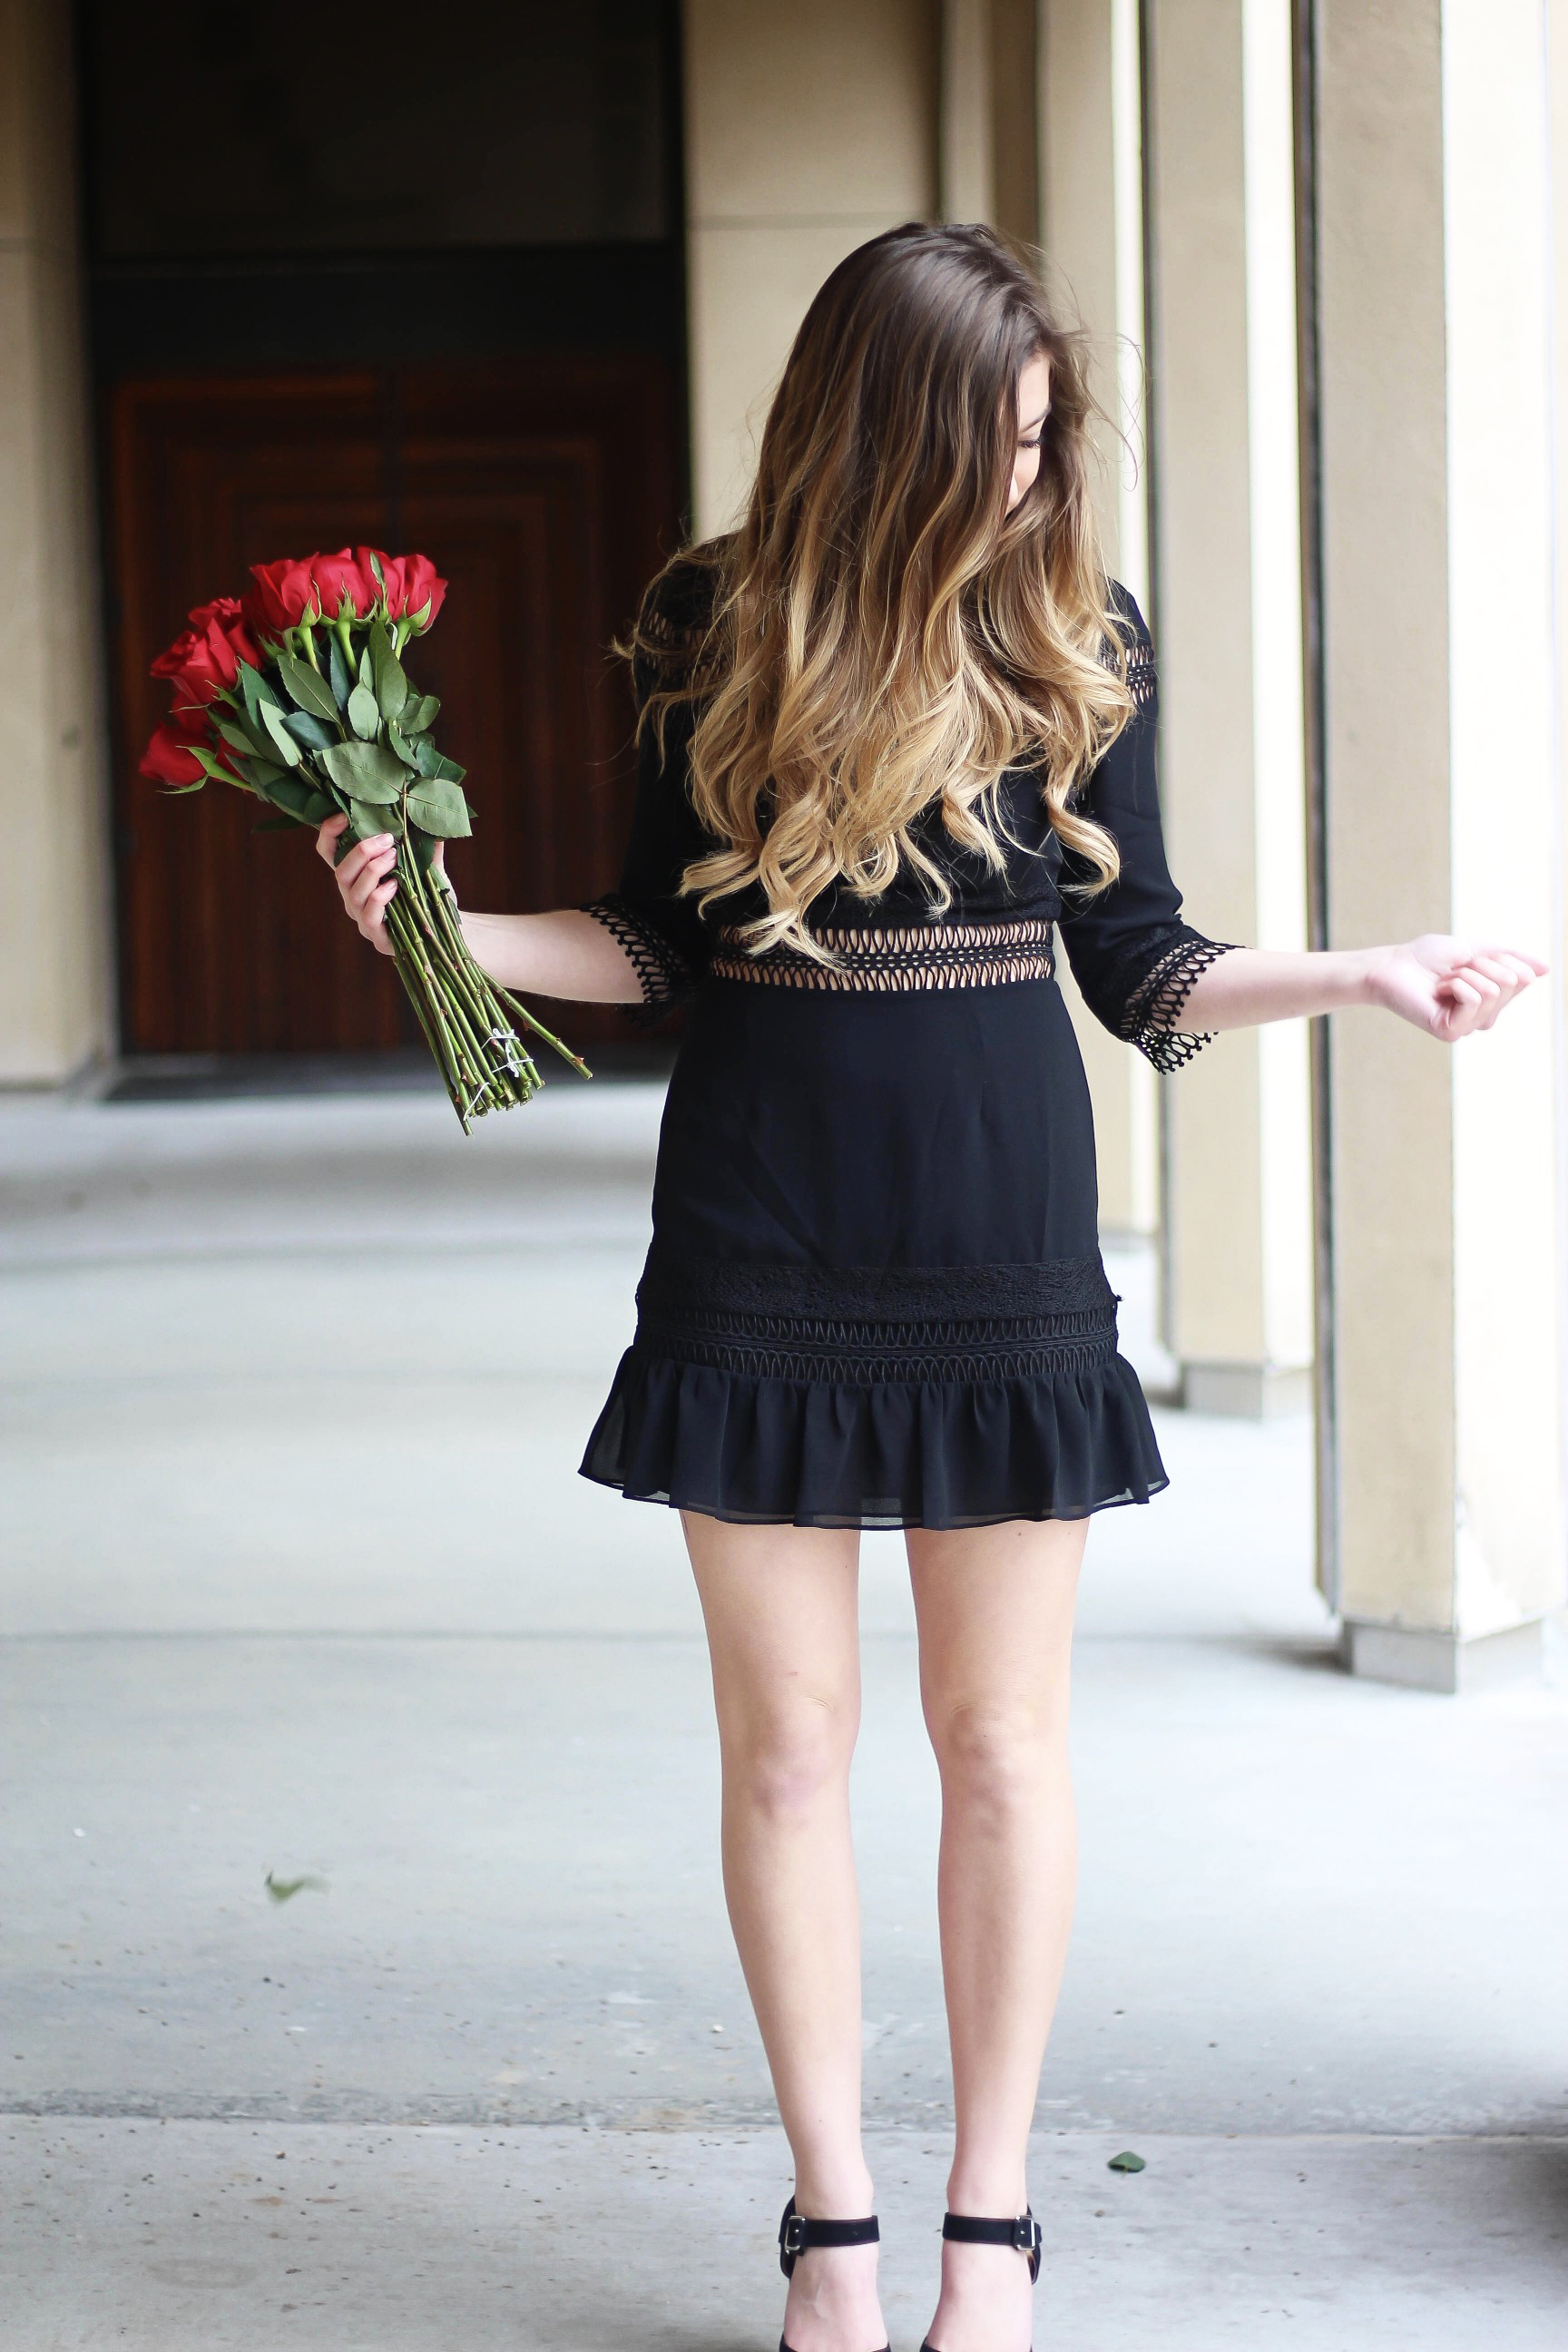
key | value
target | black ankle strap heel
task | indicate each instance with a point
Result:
(1021, 2232)
(798, 2235)
(1024, 2233)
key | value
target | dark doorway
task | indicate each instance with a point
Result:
(486, 365)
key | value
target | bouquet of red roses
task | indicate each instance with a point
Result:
(297, 694)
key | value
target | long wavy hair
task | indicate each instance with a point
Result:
(884, 635)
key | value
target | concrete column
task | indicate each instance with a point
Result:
(808, 129)
(1557, 68)
(1441, 749)
(1092, 181)
(55, 921)
(1238, 1236)
(988, 134)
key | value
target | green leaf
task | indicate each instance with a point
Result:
(1125, 2162)
(366, 771)
(262, 774)
(273, 721)
(440, 808)
(338, 674)
(309, 691)
(419, 712)
(391, 680)
(283, 1890)
(309, 730)
(364, 820)
(300, 798)
(365, 717)
(435, 765)
(257, 692)
(178, 792)
(366, 675)
(241, 739)
(214, 767)
(400, 744)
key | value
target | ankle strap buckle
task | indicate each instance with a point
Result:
(1019, 2231)
(799, 2233)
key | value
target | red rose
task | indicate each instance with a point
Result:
(225, 616)
(340, 580)
(205, 659)
(169, 760)
(424, 592)
(413, 589)
(284, 595)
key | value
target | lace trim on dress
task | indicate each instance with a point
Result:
(1142, 678)
(663, 973)
(925, 955)
(859, 1325)
(1048, 1288)
(1153, 1005)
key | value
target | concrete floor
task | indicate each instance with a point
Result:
(296, 1578)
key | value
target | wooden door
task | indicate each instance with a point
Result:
(547, 491)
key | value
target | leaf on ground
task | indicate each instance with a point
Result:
(1125, 2162)
(283, 1890)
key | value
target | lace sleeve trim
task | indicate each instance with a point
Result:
(663, 973)
(1149, 1018)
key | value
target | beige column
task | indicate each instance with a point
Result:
(808, 129)
(55, 989)
(1230, 641)
(989, 152)
(1091, 182)
(1557, 66)
(1441, 753)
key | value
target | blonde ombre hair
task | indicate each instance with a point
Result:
(884, 635)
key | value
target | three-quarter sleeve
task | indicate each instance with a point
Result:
(1135, 962)
(662, 933)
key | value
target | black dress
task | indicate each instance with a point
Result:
(874, 1295)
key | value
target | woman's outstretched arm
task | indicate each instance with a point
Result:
(1446, 986)
(563, 954)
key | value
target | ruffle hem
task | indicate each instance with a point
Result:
(761, 1450)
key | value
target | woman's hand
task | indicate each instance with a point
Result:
(366, 878)
(563, 954)
(1447, 986)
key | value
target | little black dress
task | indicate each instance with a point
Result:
(874, 1295)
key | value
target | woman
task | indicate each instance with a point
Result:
(896, 731)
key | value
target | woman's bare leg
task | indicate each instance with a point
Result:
(996, 1608)
(780, 1608)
